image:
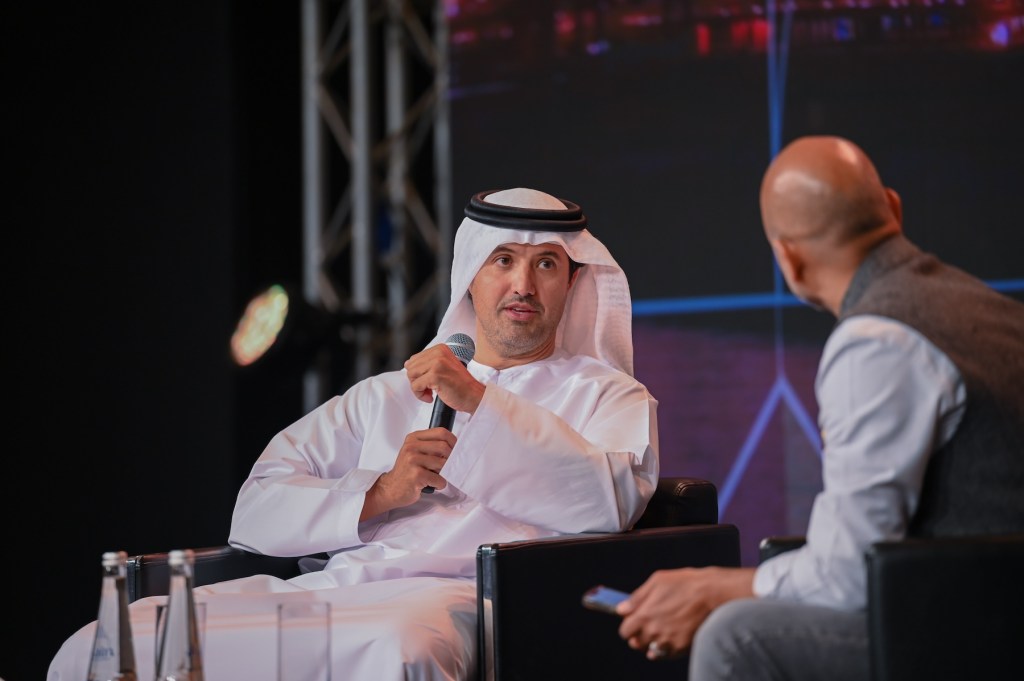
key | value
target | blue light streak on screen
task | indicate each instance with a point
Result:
(754, 301)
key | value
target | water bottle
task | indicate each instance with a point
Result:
(179, 657)
(113, 651)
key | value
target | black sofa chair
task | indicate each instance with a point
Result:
(533, 625)
(941, 608)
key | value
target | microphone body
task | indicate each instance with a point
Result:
(443, 416)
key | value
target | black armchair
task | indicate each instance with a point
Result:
(533, 625)
(941, 608)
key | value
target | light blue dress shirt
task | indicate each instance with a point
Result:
(887, 399)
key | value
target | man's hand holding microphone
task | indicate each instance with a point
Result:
(437, 374)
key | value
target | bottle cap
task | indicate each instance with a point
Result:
(180, 557)
(114, 558)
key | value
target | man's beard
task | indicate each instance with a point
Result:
(511, 344)
(515, 339)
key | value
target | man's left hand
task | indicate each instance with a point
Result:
(664, 612)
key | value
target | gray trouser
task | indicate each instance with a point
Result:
(758, 638)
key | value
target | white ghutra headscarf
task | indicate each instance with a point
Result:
(597, 319)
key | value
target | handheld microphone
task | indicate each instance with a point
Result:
(443, 416)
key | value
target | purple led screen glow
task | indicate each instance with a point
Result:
(659, 118)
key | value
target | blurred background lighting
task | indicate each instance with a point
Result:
(260, 325)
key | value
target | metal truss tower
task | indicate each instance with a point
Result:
(377, 218)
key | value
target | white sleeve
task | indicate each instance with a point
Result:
(306, 491)
(530, 465)
(887, 398)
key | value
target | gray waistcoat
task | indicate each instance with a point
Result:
(975, 484)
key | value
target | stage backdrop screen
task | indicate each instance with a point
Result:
(659, 118)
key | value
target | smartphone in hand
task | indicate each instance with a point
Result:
(603, 598)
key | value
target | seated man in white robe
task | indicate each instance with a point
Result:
(552, 435)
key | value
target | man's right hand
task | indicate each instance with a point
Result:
(421, 457)
(437, 373)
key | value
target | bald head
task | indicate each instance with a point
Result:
(824, 208)
(824, 188)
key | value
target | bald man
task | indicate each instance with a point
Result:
(922, 417)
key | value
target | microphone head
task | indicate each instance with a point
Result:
(462, 345)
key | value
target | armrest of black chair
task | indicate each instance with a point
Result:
(940, 608)
(681, 501)
(148, 574)
(533, 625)
(948, 608)
(773, 546)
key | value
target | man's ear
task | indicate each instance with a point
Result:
(574, 277)
(791, 262)
(895, 204)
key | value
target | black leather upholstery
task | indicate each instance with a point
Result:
(681, 501)
(528, 592)
(528, 600)
(941, 608)
(949, 608)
